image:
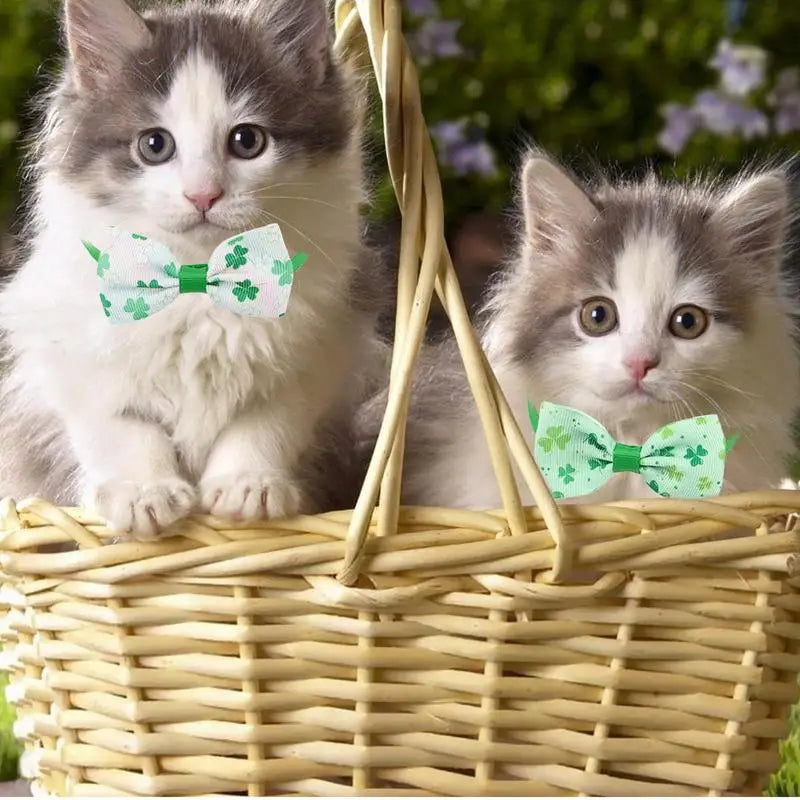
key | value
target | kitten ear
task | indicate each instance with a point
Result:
(754, 218)
(100, 33)
(300, 29)
(553, 203)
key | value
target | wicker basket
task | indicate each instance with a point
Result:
(409, 651)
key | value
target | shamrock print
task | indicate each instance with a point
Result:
(285, 270)
(171, 270)
(667, 433)
(596, 463)
(106, 305)
(237, 258)
(701, 420)
(103, 265)
(138, 309)
(663, 452)
(674, 473)
(154, 284)
(695, 455)
(566, 473)
(705, 483)
(556, 437)
(593, 441)
(558, 495)
(245, 291)
(139, 237)
(655, 487)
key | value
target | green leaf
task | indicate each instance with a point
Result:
(138, 308)
(245, 291)
(237, 258)
(103, 264)
(171, 270)
(106, 305)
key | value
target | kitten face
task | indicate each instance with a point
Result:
(644, 299)
(190, 119)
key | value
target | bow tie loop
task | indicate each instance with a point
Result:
(577, 455)
(251, 275)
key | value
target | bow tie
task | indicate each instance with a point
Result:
(250, 275)
(577, 455)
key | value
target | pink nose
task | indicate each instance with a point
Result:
(204, 201)
(639, 366)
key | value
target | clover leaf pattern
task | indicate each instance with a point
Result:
(657, 489)
(285, 270)
(695, 455)
(106, 305)
(566, 473)
(245, 291)
(237, 258)
(154, 284)
(171, 270)
(139, 237)
(556, 437)
(705, 483)
(138, 308)
(103, 265)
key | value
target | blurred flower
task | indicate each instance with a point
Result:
(437, 38)
(463, 148)
(785, 99)
(447, 134)
(726, 115)
(423, 8)
(741, 68)
(473, 158)
(681, 123)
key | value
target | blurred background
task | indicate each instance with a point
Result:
(676, 85)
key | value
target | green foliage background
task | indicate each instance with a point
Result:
(578, 76)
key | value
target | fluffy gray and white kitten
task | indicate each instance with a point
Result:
(189, 123)
(639, 303)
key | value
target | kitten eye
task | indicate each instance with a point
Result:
(156, 146)
(247, 141)
(598, 316)
(688, 322)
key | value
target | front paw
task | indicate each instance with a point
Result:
(143, 510)
(247, 496)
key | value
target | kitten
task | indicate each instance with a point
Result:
(190, 123)
(637, 303)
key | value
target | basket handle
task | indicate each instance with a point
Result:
(415, 176)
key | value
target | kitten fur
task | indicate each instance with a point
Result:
(650, 246)
(194, 407)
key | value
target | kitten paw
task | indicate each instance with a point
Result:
(143, 510)
(249, 496)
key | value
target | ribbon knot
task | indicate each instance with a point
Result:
(251, 275)
(193, 279)
(577, 455)
(626, 458)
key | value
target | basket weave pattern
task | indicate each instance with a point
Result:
(637, 648)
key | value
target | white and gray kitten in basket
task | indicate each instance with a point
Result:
(190, 123)
(638, 303)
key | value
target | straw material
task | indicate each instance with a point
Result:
(636, 648)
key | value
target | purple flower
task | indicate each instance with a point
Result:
(422, 8)
(473, 158)
(726, 115)
(462, 147)
(741, 68)
(449, 134)
(437, 38)
(785, 98)
(681, 123)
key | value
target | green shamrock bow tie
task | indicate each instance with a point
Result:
(577, 455)
(250, 275)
